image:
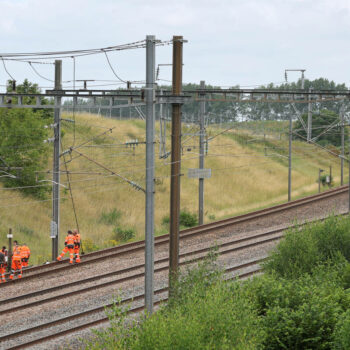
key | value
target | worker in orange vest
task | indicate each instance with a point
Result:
(16, 261)
(69, 246)
(25, 253)
(77, 246)
(2, 267)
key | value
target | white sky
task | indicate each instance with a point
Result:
(246, 42)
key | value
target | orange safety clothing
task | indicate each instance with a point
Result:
(70, 241)
(69, 246)
(25, 254)
(77, 247)
(2, 273)
(16, 255)
(16, 263)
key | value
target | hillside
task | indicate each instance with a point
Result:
(248, 172)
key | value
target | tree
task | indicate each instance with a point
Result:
(29, 88)
(22, 144)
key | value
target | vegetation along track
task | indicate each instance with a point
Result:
(94, 257)
(57, 325)
(96, 316)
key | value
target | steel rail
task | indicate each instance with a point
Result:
(187, 233)
(138, 275)
(103, 308)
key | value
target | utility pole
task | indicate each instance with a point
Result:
(309, 119)
(201, 155)
(342, 147)
(150, 131)
(290, 160)
(56, 163)
(175, 164)
(9, 251)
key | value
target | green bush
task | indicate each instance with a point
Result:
(187, 219)
(300, 313)
(300, 251)
(110, 218)
(206, 314)
(342, 333)
(89, 245)
(166, 220)
(123, 235)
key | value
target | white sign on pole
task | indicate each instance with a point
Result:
(53, 229)
(199, 173)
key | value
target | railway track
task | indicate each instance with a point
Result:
(99, 313)
(134, 271)
(98, 256)
(92, 316)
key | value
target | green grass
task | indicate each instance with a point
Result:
(243, 179)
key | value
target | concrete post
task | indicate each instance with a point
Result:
(150, 131)
(201, 156)
(56, 159)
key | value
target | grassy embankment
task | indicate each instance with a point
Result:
(243, 179)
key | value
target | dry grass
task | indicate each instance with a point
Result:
(243, 179)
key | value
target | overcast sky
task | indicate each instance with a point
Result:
(245, 42)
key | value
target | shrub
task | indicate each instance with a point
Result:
(166, 220)
(301, 313)
(212, 315)
(300, 251)
(211, 217)
(89, 246)
(187, 219)
(123, 235)
(111, 217)
(342, 333)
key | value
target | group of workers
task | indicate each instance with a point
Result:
(72, 245)
(21, 255)
(20, 258)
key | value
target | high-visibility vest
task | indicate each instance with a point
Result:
(16, 253)
(70, 240)
(25, 251)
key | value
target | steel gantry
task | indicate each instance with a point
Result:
(135, 98)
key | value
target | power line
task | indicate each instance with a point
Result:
(3, 62)
(112, 69)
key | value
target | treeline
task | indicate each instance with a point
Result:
(232, 111)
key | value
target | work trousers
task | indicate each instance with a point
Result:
(2, 273)
(77, 253)
(16, 266)
(25, 262)
(70, 249)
